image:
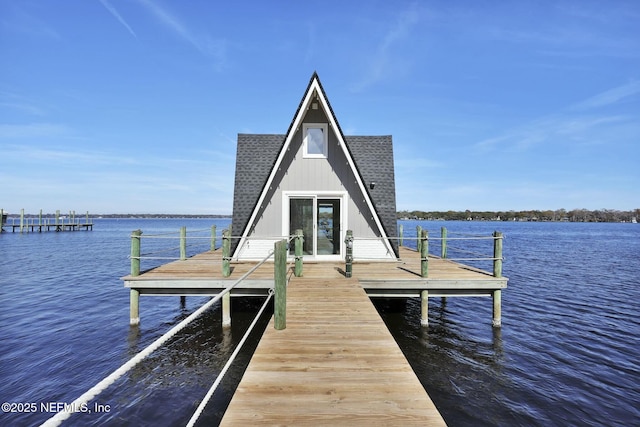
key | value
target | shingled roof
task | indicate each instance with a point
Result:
(257, 155)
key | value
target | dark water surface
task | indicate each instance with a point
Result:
(567, 353)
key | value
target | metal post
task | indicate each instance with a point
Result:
(349, 255)
(299, 239)
(443, 254)
(226, 253)
(280, 279)
(424, 253)
(183, 243)
(497, 254)
(135, 252)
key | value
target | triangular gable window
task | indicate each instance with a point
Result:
(315, 142)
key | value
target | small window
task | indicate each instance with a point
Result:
(315, 140)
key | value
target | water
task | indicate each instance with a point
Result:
(566, 354)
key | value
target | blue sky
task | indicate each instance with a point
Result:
(118, 106)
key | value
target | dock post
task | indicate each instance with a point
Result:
(213, 238)
(298, 252)
(40, 221)
(424, 253)
(443, 232)
(400, 235)
(183, 243)
(424, 308)
(58, 220)
(135, 252)
(226, 310)
(497, 308)
(134, 295)
(134, 307)
(418, 234)
(21, 219)
(497, 272)
(280, 279)
(348, 269)
(497, 254)
(226, 253)
(1, 220)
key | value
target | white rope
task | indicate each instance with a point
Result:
(82, 401)
(224, 370)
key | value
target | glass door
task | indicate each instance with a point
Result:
(319, 220)
(301, 218)
(328, 231)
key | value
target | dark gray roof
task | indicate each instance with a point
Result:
(257, 154)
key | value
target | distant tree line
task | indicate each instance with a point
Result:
(129, 215)
(575, 215)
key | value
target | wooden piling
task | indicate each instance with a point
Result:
(226, 253)
(21, 220)
(424, 253)
(418, 234)
(226, 310)
(443, 232)
(135, 252)
(497, 308)
(183, 243)
(213, 238)
(134, 307)
(298, 252)
(400, 235)
(497, 254)
(424, 308)
(280, 279)
(348, 268)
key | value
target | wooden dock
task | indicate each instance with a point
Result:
(334, 364)
(49, 227)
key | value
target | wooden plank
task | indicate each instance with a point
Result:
(335, 363)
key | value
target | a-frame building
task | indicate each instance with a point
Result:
(316, 179)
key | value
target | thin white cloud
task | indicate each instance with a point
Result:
(119, 17)
(204, 43)
(610, 96)
(383, 61)
(33, 130)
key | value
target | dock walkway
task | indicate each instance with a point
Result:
(336, 363)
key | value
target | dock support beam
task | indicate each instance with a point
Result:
(280, 279)
(400, 235)
(424, 308)
(423, 242)
(298, 252)
(226, 310)
(497, 308)
(418, 234)
(134, 307)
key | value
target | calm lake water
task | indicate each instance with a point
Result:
(567, 352)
